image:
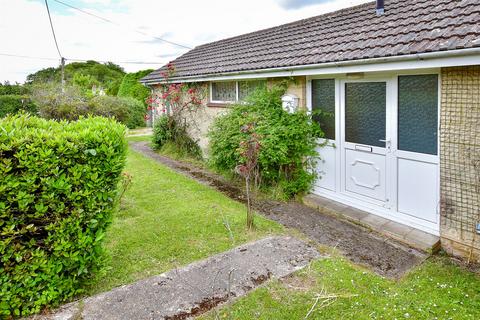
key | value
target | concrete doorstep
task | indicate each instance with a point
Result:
(195, 288)
(409, 236)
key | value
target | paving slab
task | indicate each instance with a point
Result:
(198, 287)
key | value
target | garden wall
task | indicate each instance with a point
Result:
(460, 161)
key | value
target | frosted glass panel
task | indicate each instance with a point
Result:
(323, 100)
(365, 113)
(418, 113)
(224, 91)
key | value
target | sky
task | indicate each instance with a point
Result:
(25, 28)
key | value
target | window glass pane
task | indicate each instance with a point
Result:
(224, 91)
(418, 113)
(323, 105)
(247, 87)
(365, 113)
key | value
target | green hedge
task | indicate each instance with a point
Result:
(11, 104)
(58, 189)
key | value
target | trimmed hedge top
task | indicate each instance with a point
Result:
(58, 190)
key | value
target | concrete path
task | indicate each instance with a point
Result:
(196, 288)
(361, 245)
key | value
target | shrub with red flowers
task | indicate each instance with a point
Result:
(176, 103)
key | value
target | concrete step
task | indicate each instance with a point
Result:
(407, 235)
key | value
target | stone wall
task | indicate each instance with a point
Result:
(460, 161)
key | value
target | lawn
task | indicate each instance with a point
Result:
(168, 220)
(437, 289)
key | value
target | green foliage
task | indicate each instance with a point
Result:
(436, 289)
(128, 111)
(131, 87)
(168, 133)
(54, 104)
(58, 191)
(288, 141)
(12, 89)
(107, 75)
(74, 103)
(12, 104)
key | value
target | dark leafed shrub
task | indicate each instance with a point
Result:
(58, 190)
(12, 104)
(72, 103)
(168, 133)
(288, 141)
(128, 111)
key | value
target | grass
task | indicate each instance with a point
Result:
(437, 289)
(168, 220)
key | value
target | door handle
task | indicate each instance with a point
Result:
(388, 143)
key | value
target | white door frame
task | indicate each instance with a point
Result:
(337, 193)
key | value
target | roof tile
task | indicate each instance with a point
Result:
(407, 27)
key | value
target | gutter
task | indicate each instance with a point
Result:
(403, 58)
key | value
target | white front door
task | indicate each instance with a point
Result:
(380, 150)
(366, 140)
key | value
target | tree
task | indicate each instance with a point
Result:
(131, 87)
(107, 75)
(249, 150)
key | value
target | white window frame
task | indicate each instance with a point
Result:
(237, 90)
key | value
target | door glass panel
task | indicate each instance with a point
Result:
(418, 113)
(365, 113)
(323, 105)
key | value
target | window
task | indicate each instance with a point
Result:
(323, 105)
(232, 91)
(224, 91)
(418, 113)
(245, 88)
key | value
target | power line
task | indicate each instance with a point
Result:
(26, 57)
(53, 30)
(76, 60)
(119, 25)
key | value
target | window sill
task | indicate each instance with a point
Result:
(218, 104)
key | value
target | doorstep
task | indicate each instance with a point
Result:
(410, 236)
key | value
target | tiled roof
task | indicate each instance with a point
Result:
(406, 27)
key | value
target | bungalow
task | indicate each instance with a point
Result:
(402, 81)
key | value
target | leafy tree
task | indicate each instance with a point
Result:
(131, 87)
(107, 75)
(7, 89)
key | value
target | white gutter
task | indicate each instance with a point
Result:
(341, 66)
